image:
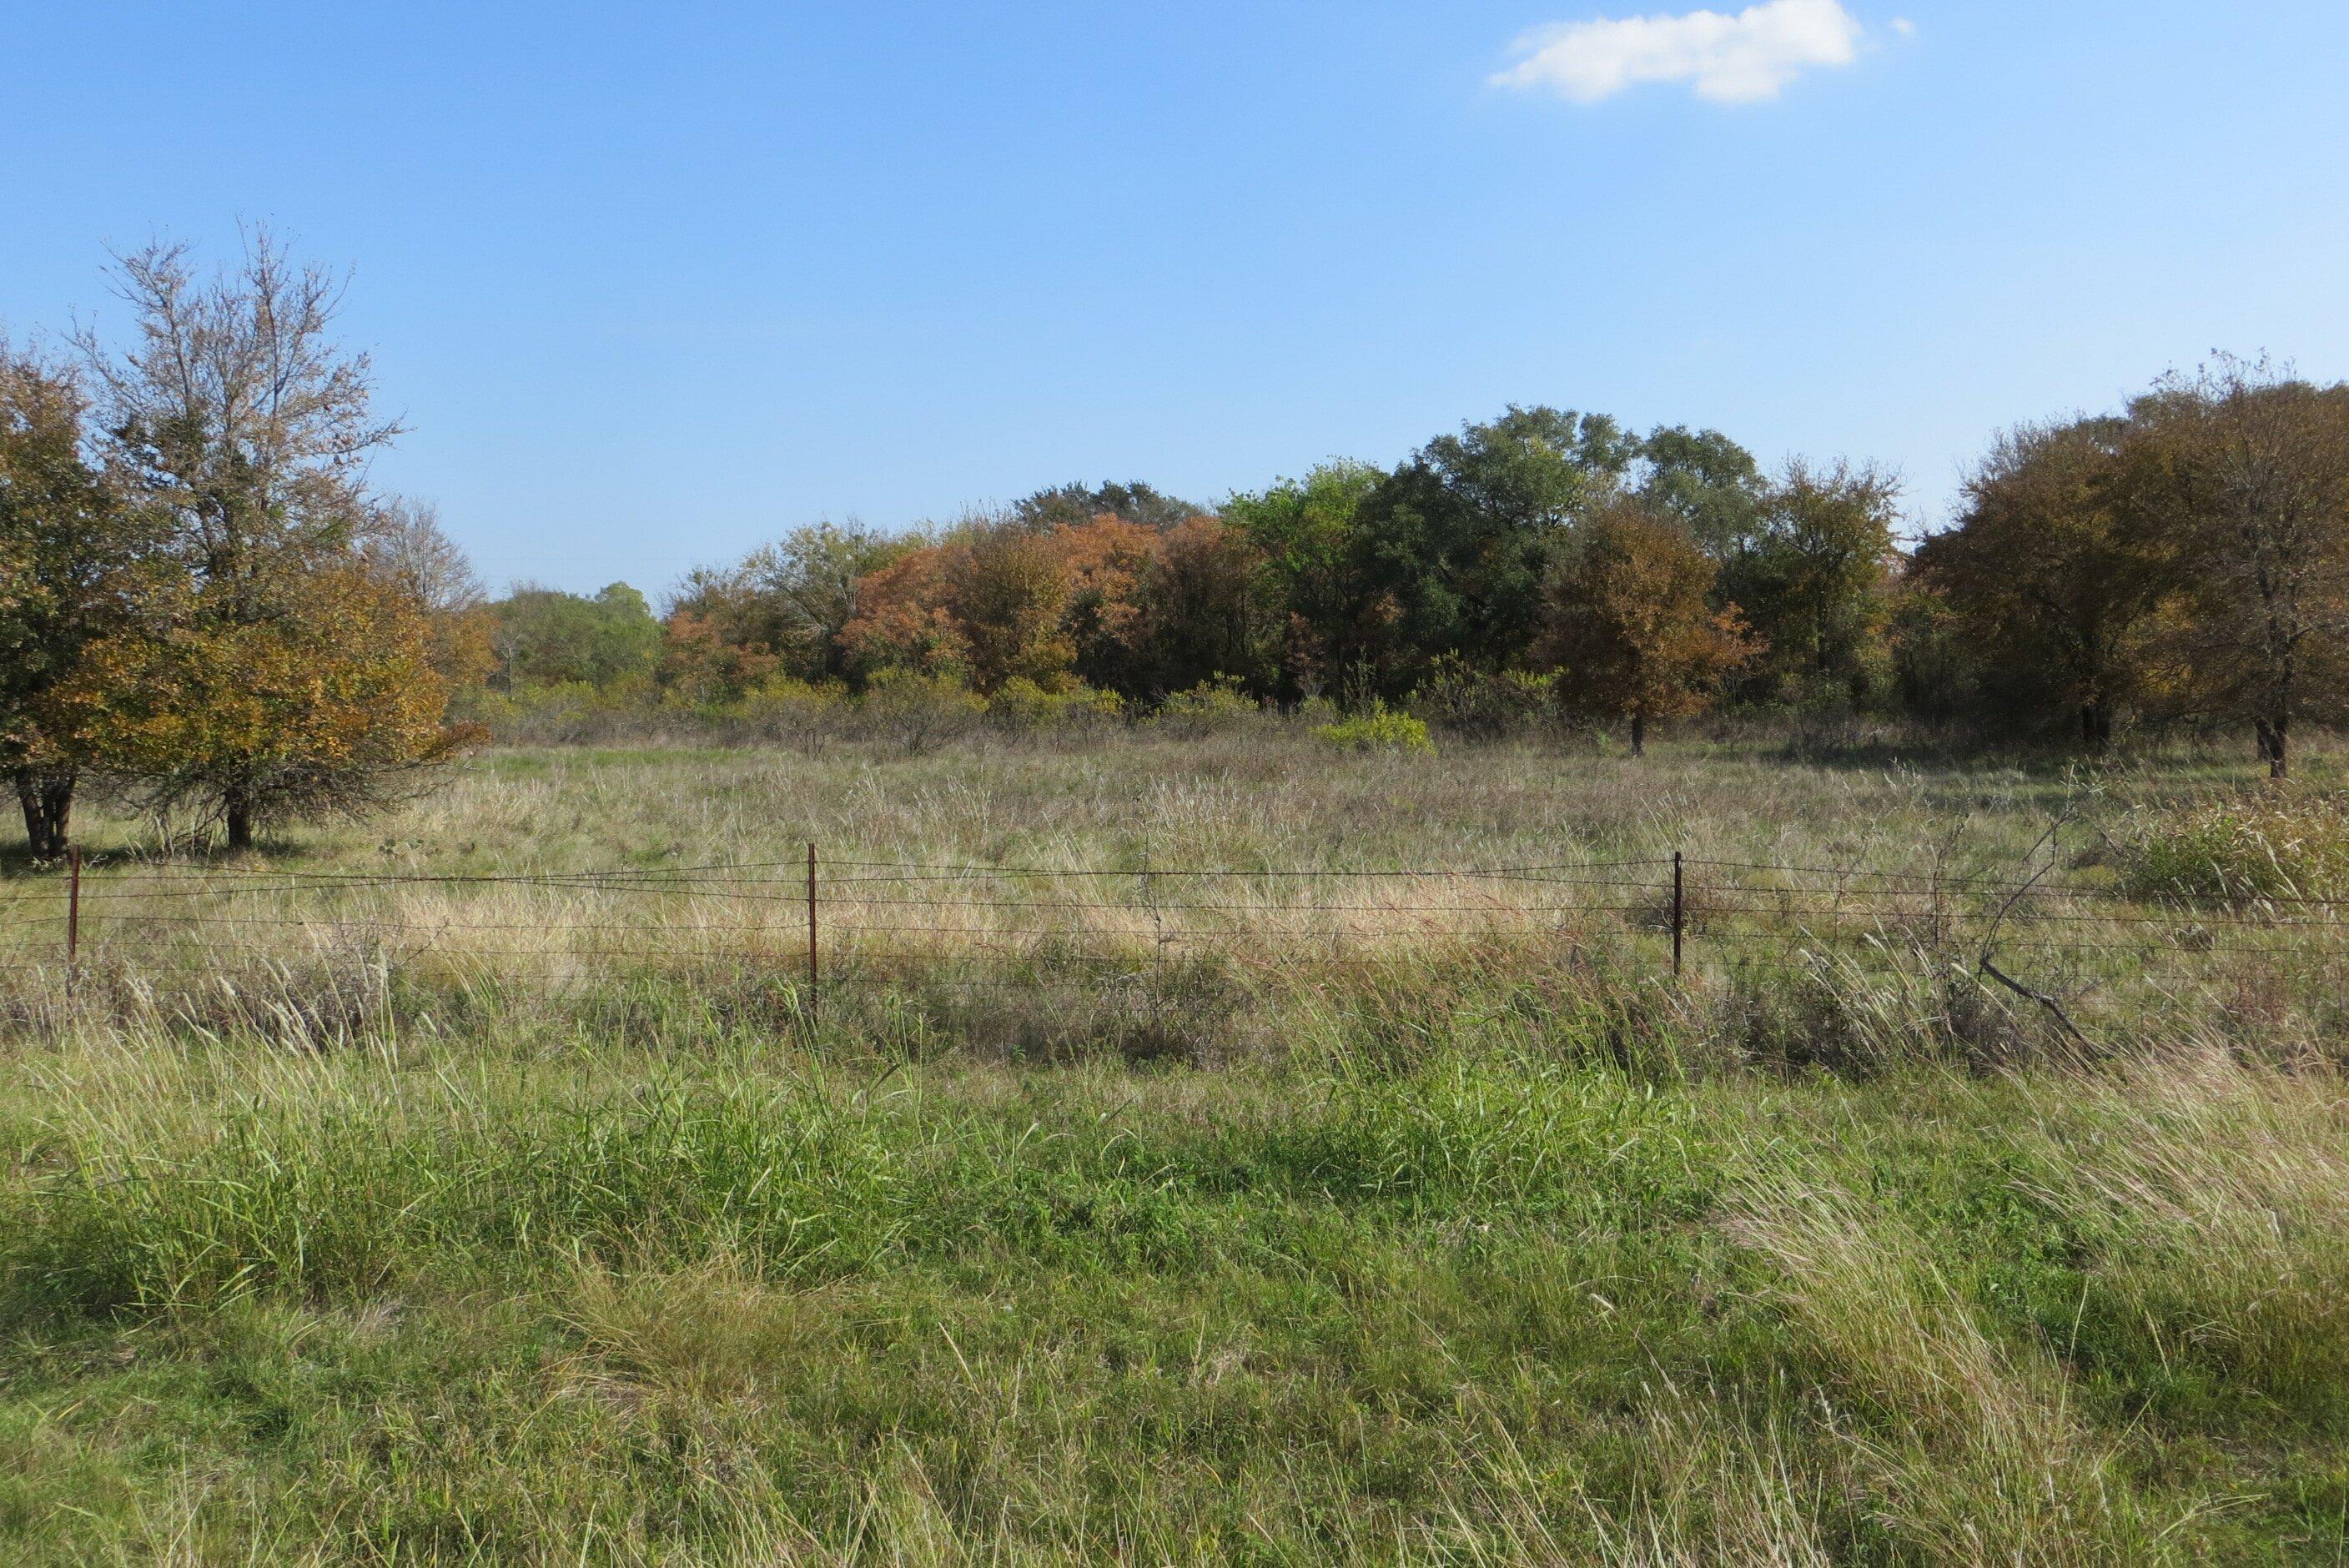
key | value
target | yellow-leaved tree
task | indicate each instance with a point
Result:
(297, 671)
(335, 711)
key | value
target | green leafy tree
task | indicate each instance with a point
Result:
(1705, 482)
(1072, 505)
(1455, 544)
(548, 637)
(1814, 578)
(1306, 534)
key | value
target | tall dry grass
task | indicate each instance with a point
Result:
(1363, 1234)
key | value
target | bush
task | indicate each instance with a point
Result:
(1024, 707)
(2283, 845)
(784, 709)
(1211, 708)
(917, 711)
(1478, 705)
(1378, 729)
(561, 712)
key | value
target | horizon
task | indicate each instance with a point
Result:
(654, 289)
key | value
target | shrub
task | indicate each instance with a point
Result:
(917, 711)
(1024, 707)
(562, 712)
(1210, 708)
(1478, 705)
(2278, 846)
(1378, 728)
(784, 709)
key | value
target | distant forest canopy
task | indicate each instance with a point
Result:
(2182, 561)
(204, 609)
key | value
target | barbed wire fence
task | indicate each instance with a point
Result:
(831, 925)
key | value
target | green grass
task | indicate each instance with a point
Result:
(536, 1296)
(1488, 1261)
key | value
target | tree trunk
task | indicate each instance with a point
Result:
(1638, 735)
(2275, 745)
(236, 811)
(2096, 724)
(46, 799)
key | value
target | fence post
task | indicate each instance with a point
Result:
(1679, 913)
(811, 914)
(73, 910)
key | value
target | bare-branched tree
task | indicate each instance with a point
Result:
(405, 545)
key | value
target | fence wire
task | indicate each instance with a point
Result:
(862, 921)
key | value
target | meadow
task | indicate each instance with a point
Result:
(485, 1182)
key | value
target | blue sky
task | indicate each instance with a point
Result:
(653, 283)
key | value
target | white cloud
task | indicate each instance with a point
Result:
(1746, 58)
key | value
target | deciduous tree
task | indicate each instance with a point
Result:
(545, 636)
(1198, 610)
(1307, 532)
(79, 567)
(1705, 482)
(336, 711)
(1812, 578)
(405, 545)
(1629, 624)
(234, 416)
(783, 608)
(2054, 578)
(1459, 538)
(2244, 467)
(1074, 505)
(1007, 589)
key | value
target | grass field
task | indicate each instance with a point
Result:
(1403, 1216)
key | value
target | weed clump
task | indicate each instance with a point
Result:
(2281, 845)
(1217, 707)
(1378, 728)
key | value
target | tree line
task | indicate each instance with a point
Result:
(204, 608)
(1545, 557)
(2184, 561)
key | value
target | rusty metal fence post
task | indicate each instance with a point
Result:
(1679, 913)
(811, 971)
(73, 912)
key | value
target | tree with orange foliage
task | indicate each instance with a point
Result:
(1113, 602)
(1200, 612)
(902, 622)
(994, 601)
(1104, 560)
(781, 610)
(1626, 624)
